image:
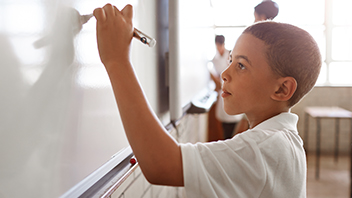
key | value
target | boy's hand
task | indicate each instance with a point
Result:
(114, 33)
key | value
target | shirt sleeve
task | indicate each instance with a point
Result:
(231, 168)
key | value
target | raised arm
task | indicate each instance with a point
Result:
(158, 154)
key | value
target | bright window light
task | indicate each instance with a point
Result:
(322, 79)
(301, 12)
(342, 43)
(342, 12)
(326, 20)
(340, 73)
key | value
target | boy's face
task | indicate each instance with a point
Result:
(248, 81)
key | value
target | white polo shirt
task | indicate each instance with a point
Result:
(266, 161)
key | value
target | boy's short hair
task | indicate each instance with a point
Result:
(269, 8)
(220, 39)
(291, 51)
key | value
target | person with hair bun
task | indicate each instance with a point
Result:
(266, 10)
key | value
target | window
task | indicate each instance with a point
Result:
(326, 21)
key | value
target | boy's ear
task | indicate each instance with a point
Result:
(286, 88)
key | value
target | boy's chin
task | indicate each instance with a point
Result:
(232, 112)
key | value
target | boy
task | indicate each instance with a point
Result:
(273, 66)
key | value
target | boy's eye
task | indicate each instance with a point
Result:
(230, 58)
(241, 66)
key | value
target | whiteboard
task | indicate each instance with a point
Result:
(59, 119)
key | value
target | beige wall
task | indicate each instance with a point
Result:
(326, 96)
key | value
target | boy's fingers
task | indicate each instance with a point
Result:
(109, 9)
(117, 11)
(127, 12)
(99, 14)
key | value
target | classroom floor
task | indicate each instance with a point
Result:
(334, 179)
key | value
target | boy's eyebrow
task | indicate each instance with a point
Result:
(243, 57)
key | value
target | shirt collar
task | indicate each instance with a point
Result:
(282, 121)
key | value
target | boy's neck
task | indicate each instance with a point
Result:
(258, 117)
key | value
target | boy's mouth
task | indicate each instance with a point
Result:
(225, 93)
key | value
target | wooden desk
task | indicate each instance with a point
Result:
(319, 113)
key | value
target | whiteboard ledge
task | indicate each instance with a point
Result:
(90, 180)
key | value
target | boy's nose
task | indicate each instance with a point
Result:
(223, 76)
